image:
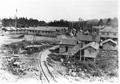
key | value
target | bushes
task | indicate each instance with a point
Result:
(108, 62)
(15, 68)
(54, 57)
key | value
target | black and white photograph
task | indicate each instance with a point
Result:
(59, 42)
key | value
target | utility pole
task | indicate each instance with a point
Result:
(80, 44)
(72, 28)
(16, 20)
(80, 51)
(34, 34)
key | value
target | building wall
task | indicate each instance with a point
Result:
(105, 53)
(109, 46)
(90, 52)
(39, 38)
(44, 33)
(63, 48)
(109, 34)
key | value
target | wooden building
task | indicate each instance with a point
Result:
(46, 31)
(67, 44)
(109, 44)
(85, 39)
(67, 48)
(109, 33)
(96, 29)
(90, 51)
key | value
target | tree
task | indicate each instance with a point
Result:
(100, 23)
(59, 23)
(108, 21)
(22, 22)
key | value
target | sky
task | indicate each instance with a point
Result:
(49, 10)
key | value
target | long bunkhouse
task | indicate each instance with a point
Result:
(39, 31)
(109, 33)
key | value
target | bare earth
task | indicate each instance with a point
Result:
(49, 74)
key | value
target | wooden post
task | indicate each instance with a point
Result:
(74, 59)
(67, 57)
(84, 59)
(80, 50)
(94, 59)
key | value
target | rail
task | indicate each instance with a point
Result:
(40, 65)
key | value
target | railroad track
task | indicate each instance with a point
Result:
(46, 70)
(49, 71)
(42, 70)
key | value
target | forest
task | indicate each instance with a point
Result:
(25, 22)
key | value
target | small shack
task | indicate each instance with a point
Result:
(67, 44)
(109, 33)
(87, 38)
(109, 44)
(90, 51)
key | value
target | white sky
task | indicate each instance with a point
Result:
(59, 9)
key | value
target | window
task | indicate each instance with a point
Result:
(91, 50)
(66, 48)
(82, 52)
(107, 33)
(114, 34)
(38, 31)
(103, 33)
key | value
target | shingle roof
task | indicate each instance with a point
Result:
(33, 46)
(8, 28)
(68, 41)
(92, 44)
(109, 36)
(109, 29)
(46, 28)
(59, 37)
(98, 27)
(108, 41)
(82, 37)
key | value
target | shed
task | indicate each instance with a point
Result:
(90, 50)
(109, 33)
(109, 44)
(67, 44)
(88, 38)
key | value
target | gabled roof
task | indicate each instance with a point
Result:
(98, 27)
(13, 28)
(92, 44)
(46, 28)
(108, 41)
(59, 37)
(109, 36)
(18, 28)
(33, 46)
(109, 29)
(68, 41)
(8, 28)
(82, 37)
